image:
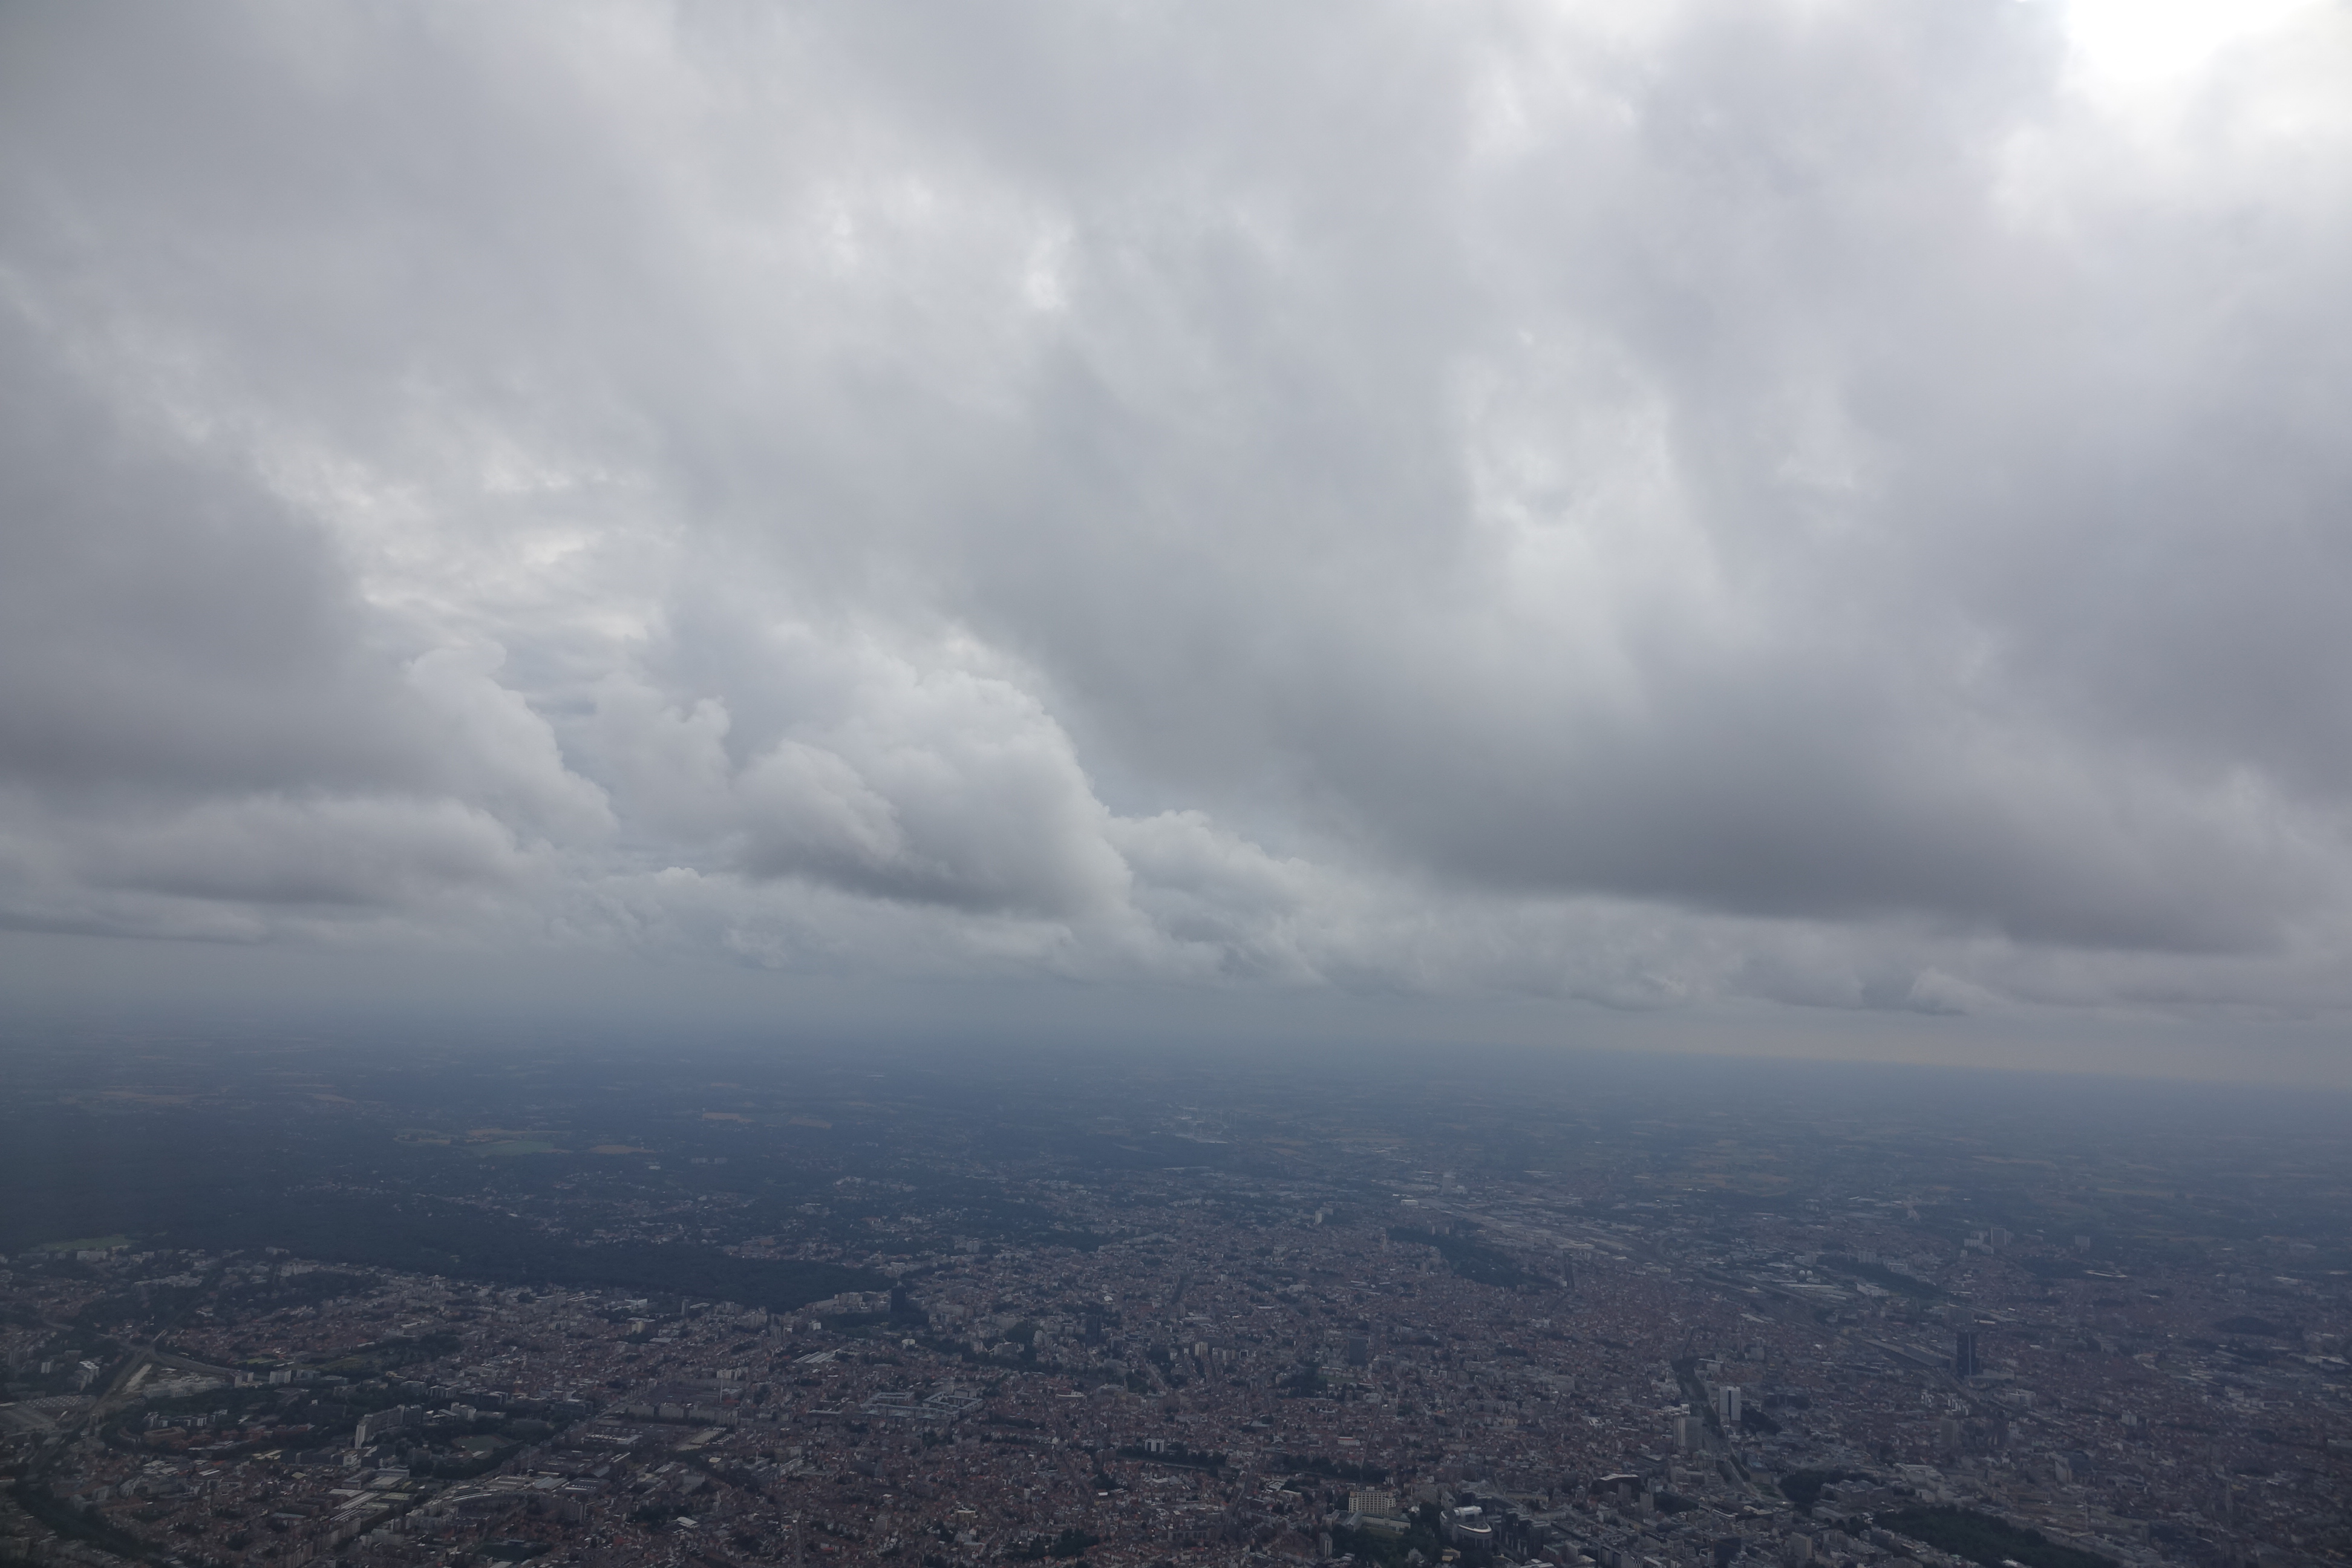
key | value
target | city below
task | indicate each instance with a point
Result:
(285, 1308)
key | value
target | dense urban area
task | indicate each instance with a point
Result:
(282, 1308)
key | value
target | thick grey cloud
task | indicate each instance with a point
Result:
(1824, 505)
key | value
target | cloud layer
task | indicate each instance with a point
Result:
(1837, 504)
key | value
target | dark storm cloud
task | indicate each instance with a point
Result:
(1833, 504)
(165, 625)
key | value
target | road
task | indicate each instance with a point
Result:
(92, 1415)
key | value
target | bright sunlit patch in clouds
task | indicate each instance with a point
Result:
(2126, 48)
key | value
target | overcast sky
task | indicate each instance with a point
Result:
(1819, 516)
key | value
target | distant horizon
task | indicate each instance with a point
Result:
(977, 1026)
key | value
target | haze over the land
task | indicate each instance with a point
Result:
(1825, 524)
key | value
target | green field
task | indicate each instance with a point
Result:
(1984, 1539)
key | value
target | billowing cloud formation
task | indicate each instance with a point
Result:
(1840, 504)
